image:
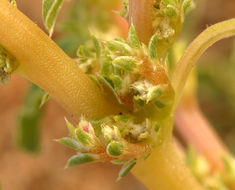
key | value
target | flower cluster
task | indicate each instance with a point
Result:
(131, 73)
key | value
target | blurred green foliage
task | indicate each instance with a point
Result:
(28, 123)
(82, 16)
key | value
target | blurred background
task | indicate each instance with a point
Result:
(31, 160)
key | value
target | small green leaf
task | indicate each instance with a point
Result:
(126, 168)
(187, 4)
(45, 98)
(171, 11)
(115, 148)
(153, 93)
(125, 11)
(127, 63)
(106, 67)
(132, 38)
(71, 129)
(153, 46)
(159, 104)
(117, 81)
(50, 10)
(119, 162)
(71, 143)
(81, 159)
(109, 85)
(97, 46)
(83, 136)
(119, 46)
(82, 52)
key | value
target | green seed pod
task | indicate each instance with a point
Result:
(115, 148)
(97, 46)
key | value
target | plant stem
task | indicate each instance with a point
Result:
(141, 15)
(195, 129)
(45, 64)
(194, 51)
(165, 170)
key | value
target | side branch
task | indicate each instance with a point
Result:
(194, 51)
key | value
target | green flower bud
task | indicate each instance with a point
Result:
(115, 148)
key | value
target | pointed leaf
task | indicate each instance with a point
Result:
(81, 159)
(127, 63)
(116, 45)
(45, 98)
(97, 46)
(132, 38)
(50, 10)
(153, 46)
(126, 168)
(71, 129)
(71, 143)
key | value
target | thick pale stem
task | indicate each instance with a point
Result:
(194, 51)
(195, 130)
(45, 64)
(165, 170)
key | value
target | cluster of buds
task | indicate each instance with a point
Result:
(134, 75)
(106, 139)
(7, 65)
(168, 16)
(131, 71)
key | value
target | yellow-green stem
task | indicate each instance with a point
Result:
(194, 51)
(164, 169)
(45, 64)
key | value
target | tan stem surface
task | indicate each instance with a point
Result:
(45, 64)
(165, 170)
(141, 14)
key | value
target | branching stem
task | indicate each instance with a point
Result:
(194, 51)
(45, 64)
